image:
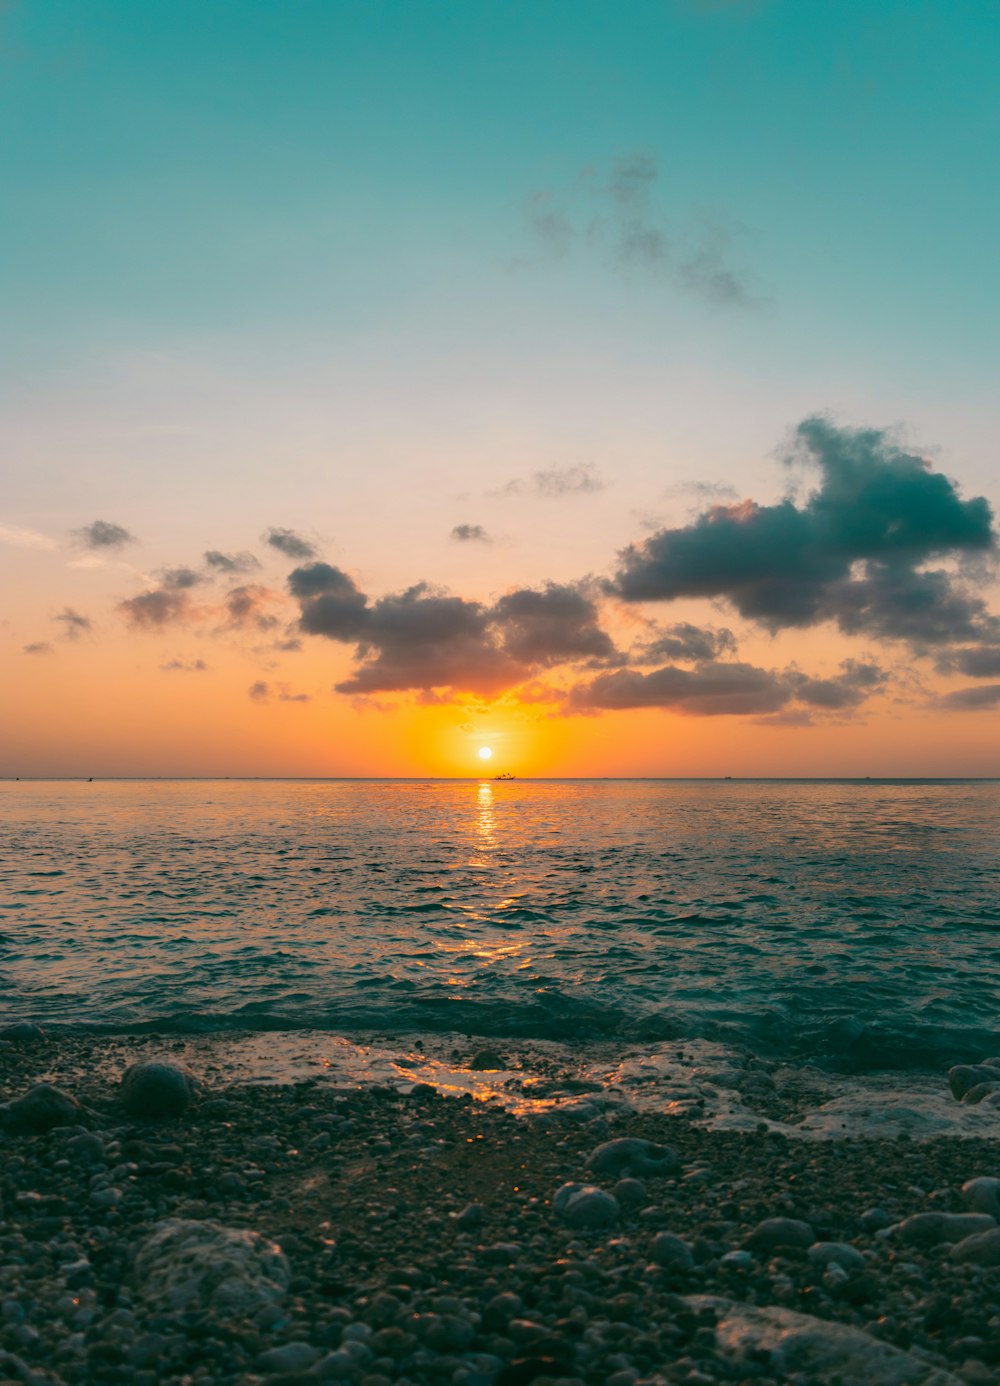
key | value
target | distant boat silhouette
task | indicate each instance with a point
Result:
(505, 775)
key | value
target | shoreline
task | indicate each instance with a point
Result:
(421, 1242)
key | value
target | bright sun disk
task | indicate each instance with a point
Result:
(484, 753)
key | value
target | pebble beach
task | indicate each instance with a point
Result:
(200, 1224)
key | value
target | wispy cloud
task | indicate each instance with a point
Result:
(20, 537)
(470, 534)
(73, 624)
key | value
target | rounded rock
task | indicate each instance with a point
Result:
(633, 1156)
(671, 1252)
(775, 1233)
(983, 1195)
(840, 1254)
(230, 1270)
(156, 1088)
(981, 1249)
(289, 1357)
(585, 1205)
(963, 1077)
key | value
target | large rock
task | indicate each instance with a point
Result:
(981, 1249)
(933, 1229)
(964, 1077)
(40, 1109)
(157, 1088)
(229, 1270)
(22, 1032)
(632, 1155)
(803, 1348)
(585, 1205)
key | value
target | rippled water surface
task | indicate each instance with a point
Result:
(857, 923)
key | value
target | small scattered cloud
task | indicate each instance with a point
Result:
(263, 692)
(38, 647)
(103, 534)
(162, 606)
(289, 543)
(20, 537)
(555, 482)
(471, 534)
(73, 624)
(181, 579)
(230, 563)
(621, 215)
(697, 644)
(180, 666)
(248, 605)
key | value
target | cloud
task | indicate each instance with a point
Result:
(180, 579)
(684, 641)
(74, 625)
(568, 481)
(616, 214)
(474, 534)
(197, 666)
(162, 606)
(976, 699)
(709, 690)
(421, 639)
(855, 683)
(852, 553)
(23, 538)
(103, 534)
(554, 625)
(555, 482)
(289, 543)
(262, 692)
(38, 647)
(230, 563)
(247, 606)
(978, 661)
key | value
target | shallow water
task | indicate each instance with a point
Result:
(855, 923)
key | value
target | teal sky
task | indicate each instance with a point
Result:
(367, 270)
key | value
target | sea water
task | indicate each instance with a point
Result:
(852, 924)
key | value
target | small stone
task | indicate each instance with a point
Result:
(23, 1032)
(671, 1252)
(931, 1229)
(875, 1219)
(470, 1216)
(156, 1088)
(40, 1109)
(488, 1061)
(840, 1254)
(86, 1149)
(774, 1233)
(585, 1205)
(630, 1193)
(634, 1156)
(737, 1260)
(972, 1096)
(289, 1357)
(983, 1195)
(106, 1198)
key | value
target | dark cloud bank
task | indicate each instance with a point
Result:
(864, 551)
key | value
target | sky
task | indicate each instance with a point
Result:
(609, 387)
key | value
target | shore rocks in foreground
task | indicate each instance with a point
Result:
(157, 1089)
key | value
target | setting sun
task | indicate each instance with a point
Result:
(485, 753)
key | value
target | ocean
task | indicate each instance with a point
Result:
(853, 925)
